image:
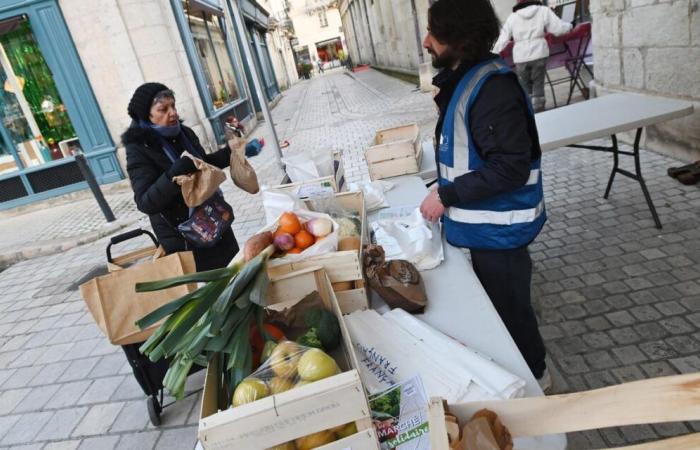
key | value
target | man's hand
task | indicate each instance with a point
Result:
(432, 208)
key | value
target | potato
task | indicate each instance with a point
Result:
(256, 244)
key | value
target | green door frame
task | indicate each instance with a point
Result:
(57, 47)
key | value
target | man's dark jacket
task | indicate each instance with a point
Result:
(504, 133)
(158, 196)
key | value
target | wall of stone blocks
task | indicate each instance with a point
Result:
(653, 47)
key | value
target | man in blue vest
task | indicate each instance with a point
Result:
(489, 193)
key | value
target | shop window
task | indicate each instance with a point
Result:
(208, 32)
(31, 109)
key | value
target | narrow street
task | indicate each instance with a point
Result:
(618, 300)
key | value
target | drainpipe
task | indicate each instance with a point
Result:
(419, 41)
(369, 30)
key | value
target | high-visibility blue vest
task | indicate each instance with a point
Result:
(509, 220)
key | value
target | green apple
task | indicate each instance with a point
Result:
(249, 390)
(284, 359)
(315, 440)
(316, 365)
(286, 446)
(279, 384)
(346, 430)
(302, 383)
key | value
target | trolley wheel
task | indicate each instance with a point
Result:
(154, 410)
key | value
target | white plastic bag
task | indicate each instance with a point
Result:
(374, 193)
(306, 167)
(323, 246)
(276, 203)
(409, 237)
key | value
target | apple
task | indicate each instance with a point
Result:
(302, 383)
(316, 365)
(284, 359)
(346, 430)
(315, 440)
(249, 390)
(279, 384)
(286, 446)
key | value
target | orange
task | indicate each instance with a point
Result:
(278, 231)
(295, 250)
(289, 223)
(304, 239)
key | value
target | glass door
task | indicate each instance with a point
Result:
(31, 110)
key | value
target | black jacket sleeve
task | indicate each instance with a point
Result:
(221, 158)
(153, 190)
(500, 129)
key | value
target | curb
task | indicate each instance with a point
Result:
(53, 247)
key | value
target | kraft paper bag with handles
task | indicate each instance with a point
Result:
(198, 187)
(115, 306)
(242, 172)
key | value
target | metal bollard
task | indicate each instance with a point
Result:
(94, 187)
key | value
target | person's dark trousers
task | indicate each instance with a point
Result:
(506, 275)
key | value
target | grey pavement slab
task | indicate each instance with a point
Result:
(618, 300)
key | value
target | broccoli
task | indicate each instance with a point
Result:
(310, 339)
(326, 327)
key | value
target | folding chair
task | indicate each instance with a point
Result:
(656, 400)
(570, 51)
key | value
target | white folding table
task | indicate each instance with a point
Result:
(593, 119)
(459, 307)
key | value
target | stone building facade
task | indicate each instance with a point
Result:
(652, 47)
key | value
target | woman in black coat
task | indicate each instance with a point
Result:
(154, 144)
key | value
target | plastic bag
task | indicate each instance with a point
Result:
(289, 366)
(373, 193)
(275, 203)
(306, 167)
(327, 244)
(350, 223)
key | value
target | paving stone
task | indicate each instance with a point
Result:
(108, 365)
(658, 369)
(671, 308)
(133, 417)
(61, 425)
(651, 330)
(684, 344)
(68, 394)
(597, 380)
(645, 313)
(10, 399)
(98, 419)
(101, 390)
(79, 369)
(573, 364)
(676, 325)
(638, 433)
(26, 428)
(102, 442)
(37, 398)
(620, 318)
(573, 311)
(628, 373)
(625, 335)
(629, 354)
(658, 350)
(600, 360)
(138, 441)
(670, 429)
(182, 438)
(21, 377)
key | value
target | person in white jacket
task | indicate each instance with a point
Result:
(527, 26)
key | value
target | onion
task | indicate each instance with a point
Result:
(284, 241)
(320, 227)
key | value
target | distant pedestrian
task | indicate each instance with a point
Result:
(154, 145)
(527, 26)
(320, 65)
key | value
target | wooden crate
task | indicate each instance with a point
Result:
(308, 409)
(334, 183)
(656, 400)
(345, 266)
(394, 152)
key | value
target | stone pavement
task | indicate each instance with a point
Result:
(618, 299)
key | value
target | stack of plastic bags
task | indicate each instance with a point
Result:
(395, 346)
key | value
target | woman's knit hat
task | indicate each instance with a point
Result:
(140, 105)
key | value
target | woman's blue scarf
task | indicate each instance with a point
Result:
(171, 132)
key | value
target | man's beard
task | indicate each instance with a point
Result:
(447, 59)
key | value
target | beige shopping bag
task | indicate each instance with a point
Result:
(198, 187)
(242, 172)
(114, 304)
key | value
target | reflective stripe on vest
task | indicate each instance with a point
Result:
(508, 220)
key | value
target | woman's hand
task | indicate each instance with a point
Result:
(182, 166)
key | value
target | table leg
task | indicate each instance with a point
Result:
(616, 161)
(640, 179)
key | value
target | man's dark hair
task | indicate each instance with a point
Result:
(469, 27)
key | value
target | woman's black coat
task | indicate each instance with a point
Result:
(158, 196)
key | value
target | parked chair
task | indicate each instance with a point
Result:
(570, 51)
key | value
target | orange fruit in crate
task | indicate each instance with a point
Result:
(294, 251)
(289, 223)
(304, 239)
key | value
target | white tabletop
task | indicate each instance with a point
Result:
(593, 119)
(604, 116)
(459, 307)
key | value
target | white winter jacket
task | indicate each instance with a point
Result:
(527, 27)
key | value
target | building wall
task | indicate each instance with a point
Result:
(308, 29)
(124, 43)
(281, 51)
(654, 48)
(384, 32)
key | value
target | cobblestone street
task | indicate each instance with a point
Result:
(618, 300)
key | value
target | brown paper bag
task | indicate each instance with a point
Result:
(198, 187)
(114, 304)
(398, 282)
(242, 172)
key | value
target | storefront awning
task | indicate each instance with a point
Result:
(212, 7)
(253, 12)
